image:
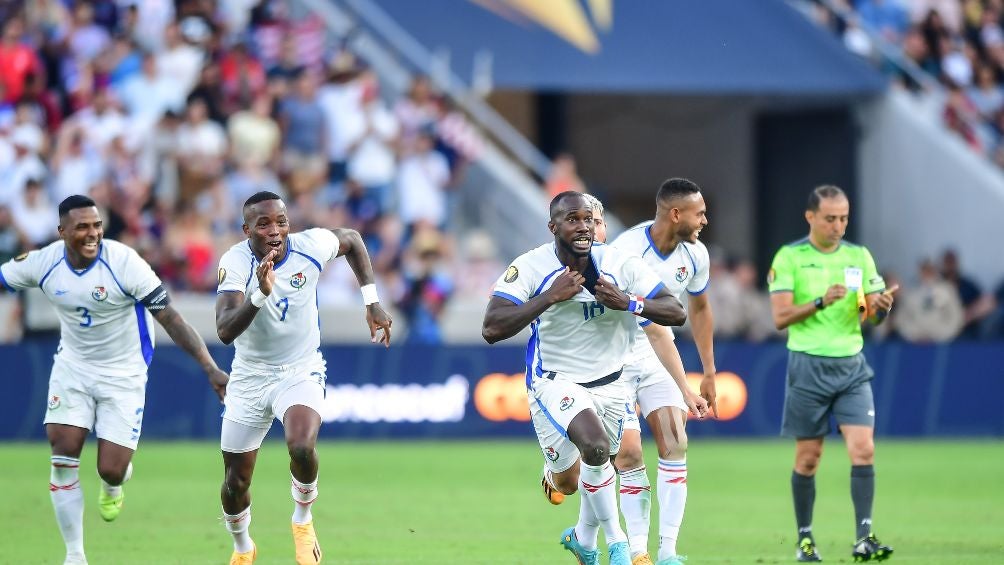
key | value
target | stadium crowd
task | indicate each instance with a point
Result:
(959, 43)
(170, 113)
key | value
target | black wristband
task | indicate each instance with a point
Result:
(819, 303)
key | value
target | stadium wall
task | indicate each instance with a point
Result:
(478, 391)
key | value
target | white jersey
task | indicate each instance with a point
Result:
(103, 326)
(686, 268)
(287, 329)
(578, 338)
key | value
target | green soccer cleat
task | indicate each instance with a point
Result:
(582, 555)
(110, 506)
(807, 551)
(869, 548)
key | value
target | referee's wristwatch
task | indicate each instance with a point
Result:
(819, 303)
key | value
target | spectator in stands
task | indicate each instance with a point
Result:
(101, 122)
(86, 39)
(210, 91)
(931, 312)
(242, 78)
(421, 185)
(563, 176)
(35, 214)
(13, 241)
(428, 286)
(302, 119)
(179, 62)
(371, 164)
(41, 104)
(986, 95)
(202, 147)
(477, 269)
(27, 142)
(17, 60)
(74, 169)
(254, 135)
(189, 240)
(418, 110)
(976, 305)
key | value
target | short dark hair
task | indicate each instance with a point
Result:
(557, 200)
(676, 187)
(261, 197)
(821, 192)
(73, 202)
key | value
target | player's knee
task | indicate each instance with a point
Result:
(111, 474)
(236, 483)
(300, 451)
(595, 452)
(807, 463)
(629, 457)
(674, 449)
(863, 453)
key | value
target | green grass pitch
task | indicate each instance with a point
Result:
(479, 502)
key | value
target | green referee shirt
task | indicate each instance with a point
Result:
(806, 272)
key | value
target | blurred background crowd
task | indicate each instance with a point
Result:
(170, 113)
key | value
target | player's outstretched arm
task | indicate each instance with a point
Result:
(504, 318)
(702, 322)
(350, 244)
(665, 349)
(185, 337)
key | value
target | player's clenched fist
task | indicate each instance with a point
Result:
(610, 296)
(566, 285)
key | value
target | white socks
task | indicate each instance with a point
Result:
(237, 525)
(598, 488)
(636, 503)
(304, 495)
(114, 491)
(672, 493)
(68, 502)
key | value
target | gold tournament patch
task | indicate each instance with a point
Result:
(222, 274)
(511, 274)
(21, 257)
(770, 276)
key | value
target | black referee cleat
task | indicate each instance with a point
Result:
(869, 548)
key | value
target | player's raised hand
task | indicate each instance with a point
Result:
(379, 321)
(566, 285)
(709, 393)
(266, 274)
(834, 293)
(697, 405)
(610, 296)
(218, 379)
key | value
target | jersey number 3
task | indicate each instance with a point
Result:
(85, 317)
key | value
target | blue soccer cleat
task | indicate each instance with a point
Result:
(620, 553)
(584, 556)
(673, 560)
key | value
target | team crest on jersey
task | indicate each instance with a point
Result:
(298, 280)
(551, 454)
(511, 274)
(221, 275)
(681, 274)
(53, 402)
(21, 257)
(566, 403)
(99, 293)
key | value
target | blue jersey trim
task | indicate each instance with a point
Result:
(145, 343)
(311, 259)
(613, 278)
(3, 281)
(702, 291)
(508, 297)
(651, 244)
(47, 273)
(114, 278)
(275, 266)
(655, 290)
(547, 278)
(250, 274)
(531, 349)
(551, 419)
(692, 262)
(101, 248)
(645, 323)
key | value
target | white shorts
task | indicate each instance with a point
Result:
(650, 386)
(555, 403)
(112, 406)
(257, 394)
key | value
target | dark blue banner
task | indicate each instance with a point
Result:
(477, 391)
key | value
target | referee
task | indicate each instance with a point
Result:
(822, 288)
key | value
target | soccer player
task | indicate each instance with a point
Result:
(578, 299)
(267, 306)
(822, 287)
(669, 245)
(104, 294)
